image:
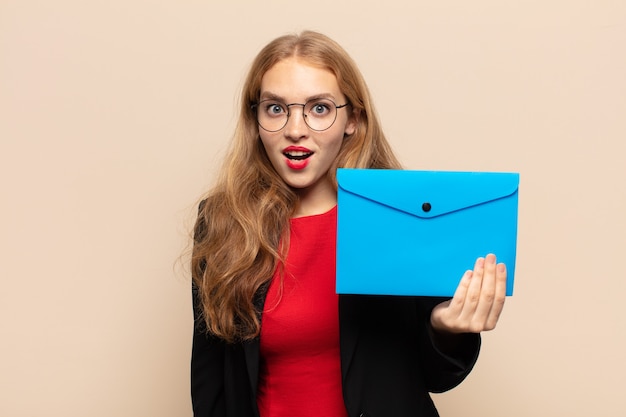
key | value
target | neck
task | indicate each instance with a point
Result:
(312, 202)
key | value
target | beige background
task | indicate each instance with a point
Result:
(114, 114)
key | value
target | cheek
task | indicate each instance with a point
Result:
(338, 144)
(266, 142)
(336, 140)
(269, 147)
(333, 148)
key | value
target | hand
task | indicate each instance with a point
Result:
(477, 302)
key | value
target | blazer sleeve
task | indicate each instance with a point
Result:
(444, 367)
(207, 367)
(207, 359)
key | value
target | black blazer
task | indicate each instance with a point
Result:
(389, 361)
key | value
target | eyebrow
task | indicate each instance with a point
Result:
(268, 95)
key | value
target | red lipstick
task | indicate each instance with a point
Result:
(297, 157)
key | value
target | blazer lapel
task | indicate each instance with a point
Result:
(252, 348)
(252, 352)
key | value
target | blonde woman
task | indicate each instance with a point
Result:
(271, 336)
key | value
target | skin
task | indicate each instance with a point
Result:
(293, 80)
(477, 302)
(479, 298)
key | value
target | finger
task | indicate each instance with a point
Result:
(500, 297)
(445, 315)
(458, 300)
(438, 317)
(487, 295)
(473, 291)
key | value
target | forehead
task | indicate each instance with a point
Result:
(297, 79)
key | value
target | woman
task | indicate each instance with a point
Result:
(271, 337)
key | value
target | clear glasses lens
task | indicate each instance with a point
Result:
(319, 114)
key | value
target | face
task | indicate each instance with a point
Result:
(300, 155)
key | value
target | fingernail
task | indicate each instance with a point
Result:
(501, 268)
(480, 262)
(491, 258)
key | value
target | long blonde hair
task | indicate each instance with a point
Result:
(243, 218)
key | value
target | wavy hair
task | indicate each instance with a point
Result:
(240, 235)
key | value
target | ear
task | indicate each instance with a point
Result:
(353, 121)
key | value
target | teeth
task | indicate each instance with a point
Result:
(298, 155)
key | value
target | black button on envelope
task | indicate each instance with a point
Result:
(402, 232)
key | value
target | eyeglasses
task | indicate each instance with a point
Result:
(319, 114)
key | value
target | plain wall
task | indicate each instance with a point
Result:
(115, 114)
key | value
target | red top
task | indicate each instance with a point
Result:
(300, 366)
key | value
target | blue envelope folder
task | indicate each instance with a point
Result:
(403, 232)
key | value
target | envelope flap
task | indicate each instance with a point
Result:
(427, 194)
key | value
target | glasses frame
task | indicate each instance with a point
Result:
(255, 107)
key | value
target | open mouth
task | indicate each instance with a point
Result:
(297, 155)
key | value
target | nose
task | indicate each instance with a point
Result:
(296, 128)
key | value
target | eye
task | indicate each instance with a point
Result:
(319, 108)
(273, 108)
